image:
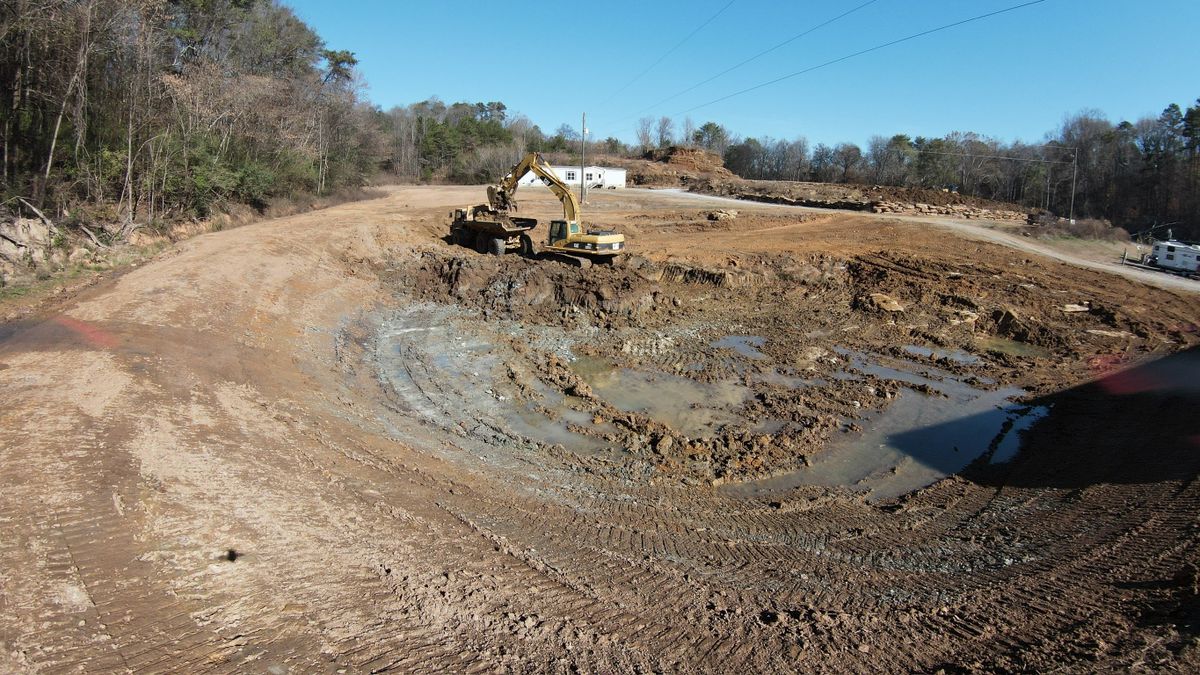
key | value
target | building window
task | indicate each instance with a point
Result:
(1170, 256)
(1170, 249)
(570, 175)
(588, 176)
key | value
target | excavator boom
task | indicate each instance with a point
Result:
(502, 197)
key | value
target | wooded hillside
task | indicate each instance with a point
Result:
(157, 108)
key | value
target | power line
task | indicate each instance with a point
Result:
(861, 52)
(668, 52)
(757, 56)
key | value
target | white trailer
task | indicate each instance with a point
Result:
(596, 177)
(1176, 256)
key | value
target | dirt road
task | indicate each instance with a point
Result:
(334, 443)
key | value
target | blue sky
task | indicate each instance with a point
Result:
(1012, 76)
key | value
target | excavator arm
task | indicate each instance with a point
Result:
(501, 197)
(489, 227)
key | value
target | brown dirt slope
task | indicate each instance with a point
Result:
(703, 171)
(842, 196)
(674, 166)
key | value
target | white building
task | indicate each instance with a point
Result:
(596, 177)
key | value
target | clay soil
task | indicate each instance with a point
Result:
(703, 172)
(336, 443)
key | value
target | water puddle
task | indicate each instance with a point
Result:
(1011, 443)
(746, 345)
(531, 422)
(1011, 347)
(895, 369)
(916, 440)
(955, 355)
(695, 409)
(784, 379)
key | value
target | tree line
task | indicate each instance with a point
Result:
(156, 109)
(1135, 174)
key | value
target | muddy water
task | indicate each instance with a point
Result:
(1011, 347)
(441, 367)
(915, 441)
(746, 345)
(695, 409)
(459, 379)
(955, 355)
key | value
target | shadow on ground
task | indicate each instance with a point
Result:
(1139, 425)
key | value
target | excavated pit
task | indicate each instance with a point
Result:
(872, 460)
(765, 378)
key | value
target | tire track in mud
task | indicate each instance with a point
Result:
(130, 622)
(668, 556)
(1063, 590)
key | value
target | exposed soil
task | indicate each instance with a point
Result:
(837, 195)
(670, 167)
(762, 441)
(702, 171)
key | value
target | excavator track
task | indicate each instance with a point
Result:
(573, 260)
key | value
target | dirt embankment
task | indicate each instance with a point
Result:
(702, 171)
(876, 199)
(670, 167)
(39, 254)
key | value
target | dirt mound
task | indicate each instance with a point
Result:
(539, 291)
(852, 197)
(674, 166)
(690, 159)
(702, 171)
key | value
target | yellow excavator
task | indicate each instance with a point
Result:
(489, 228)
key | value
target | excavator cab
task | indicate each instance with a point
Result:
(558, 231)
(561, 232)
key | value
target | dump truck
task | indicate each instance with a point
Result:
(491, 228)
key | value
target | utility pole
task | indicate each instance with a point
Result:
(582, 160)
(1074, 173)
(1046, 195)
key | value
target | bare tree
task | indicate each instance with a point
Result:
(645, 133)
(847, 157)
(666, 132)
(824, 164)
(689, 132)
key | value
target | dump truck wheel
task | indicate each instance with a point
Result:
(526, 246)
(496, 246)
(481, 242)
